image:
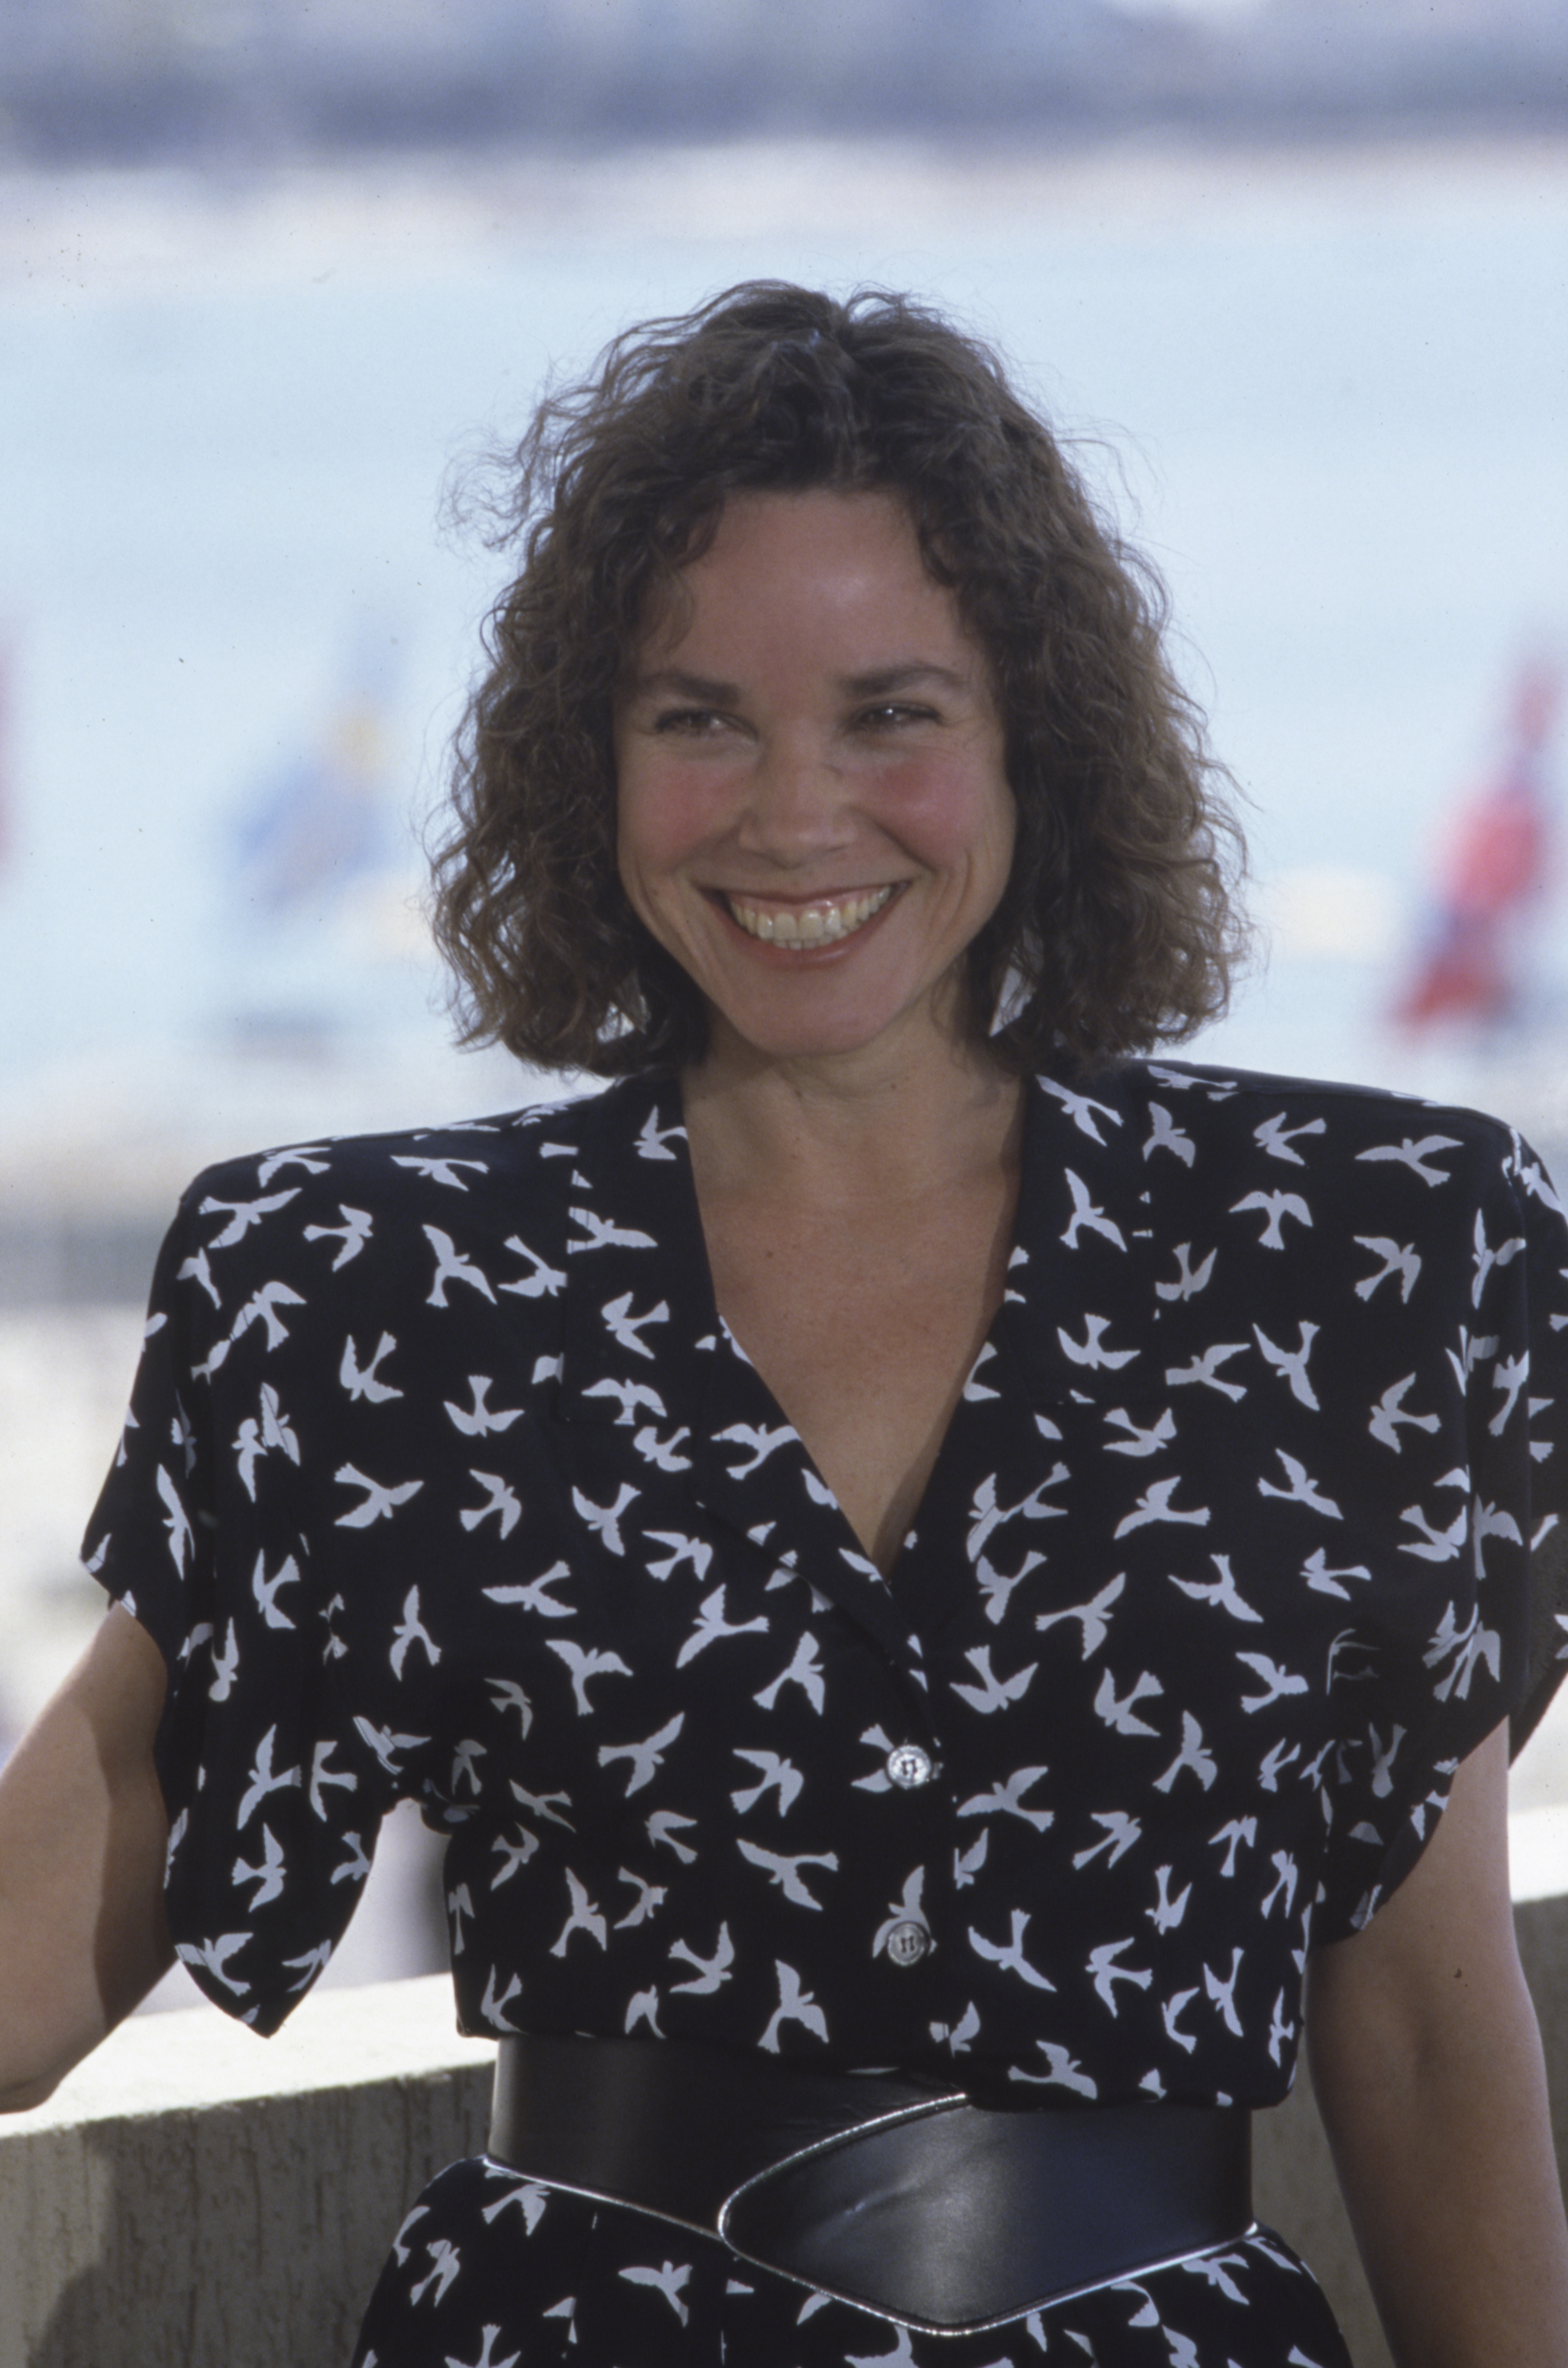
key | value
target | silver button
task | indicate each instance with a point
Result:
(909, 1766)
(907, 1944)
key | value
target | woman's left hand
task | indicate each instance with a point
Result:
(1427, 2067)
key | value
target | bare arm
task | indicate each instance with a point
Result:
(83, 1830)
(1427, 2067)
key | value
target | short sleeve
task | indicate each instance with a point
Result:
(1472, 1624)
(271, 1773)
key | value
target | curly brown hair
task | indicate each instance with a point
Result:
(1116, 932)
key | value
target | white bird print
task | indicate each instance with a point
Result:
(324, 1779)
(632, 1397)
(1285, 1871)
(1010, 1959)
(669, 2279)
(1275, 1137)
(1442, 1545)
(264, 1591)
(1007, 1800)
(663, 1827)
(961, 2033)
(356, 1866)
(351, 1235)
(267, 1877)
(544, 1806)
(243, 1215)
(440, 1171)
(651, 1898)
(1121, 1714)
(1273, 1763)
(1486, 1521)
(1281, 2029)
(804, 1670)
(1166, 1912)
(506, 1694)
(543, 1282)
(1204, 1370)
(478, 1419)
(263, 1780)
(364, 1381)
(663, 1454)
(215, 1956)
(1302, 1489)
(262, 1308)
(696, 1551)
(182, 1537)
(448, 2261)
(600, 1233)
(1194, 1754)
(784, 1872)
(1510, 1376)
(584, 1918)
(1140, 1442)
(712, 1625)
(1415, 1156)
(1080, 1108)
(628, 1329)
(1323, 1581)
(534, 1595)
(646, 1759)
(1093, 1618)
(1107, 1973)
(998, 1591)
(644, 2007)
(1221, 1593)
(653, 1142)
(225, 1667)
(1276, 1683)
(1224, 1993)
(1165, 1135)
(411, 1630)
(486, 2358)
(1240, 1830)
(605, 1519)
(195, 1269)
(379, 1503)
(760, 1443)
(1190, 1282)
(1154, 1504)
(993, 1692)
(504, 1503)
(976, 1391)
(777, 1775)
(1397, 1259)
(795, 2005)
(297, 1155)
(1168, 2014)
(1388, 1414)
(1486, 1257)
(1085, 1212)
(709, 1971)
(986, 1515)
(585, 1662)
(384, 1743)
(968, 1863)
(1276, 1207)
(1089, 1350)
(901, 2356)
(512, 1854)
(910, 1909)
(452, 1266)
(1061, 2071)
(1474, 1349)
(1120, 1832)
(1293, 1362)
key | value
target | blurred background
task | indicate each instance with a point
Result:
(273, 273)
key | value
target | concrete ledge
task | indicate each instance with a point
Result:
(196, 2198)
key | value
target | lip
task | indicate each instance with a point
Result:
(818, 927)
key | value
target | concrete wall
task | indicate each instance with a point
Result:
(195, 2198)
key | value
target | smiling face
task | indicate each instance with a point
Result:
(814, 814)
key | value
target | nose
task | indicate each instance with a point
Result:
(798, 803)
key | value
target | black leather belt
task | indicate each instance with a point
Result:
(887, 2191)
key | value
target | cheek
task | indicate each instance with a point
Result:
(953, 818)
(663, 815)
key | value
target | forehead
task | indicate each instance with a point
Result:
(816, 568)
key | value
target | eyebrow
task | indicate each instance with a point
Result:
(882, 682)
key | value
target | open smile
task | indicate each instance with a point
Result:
(822, 922)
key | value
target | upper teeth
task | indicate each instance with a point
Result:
(808, 925)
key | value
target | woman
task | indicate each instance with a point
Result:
(931, 1569)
